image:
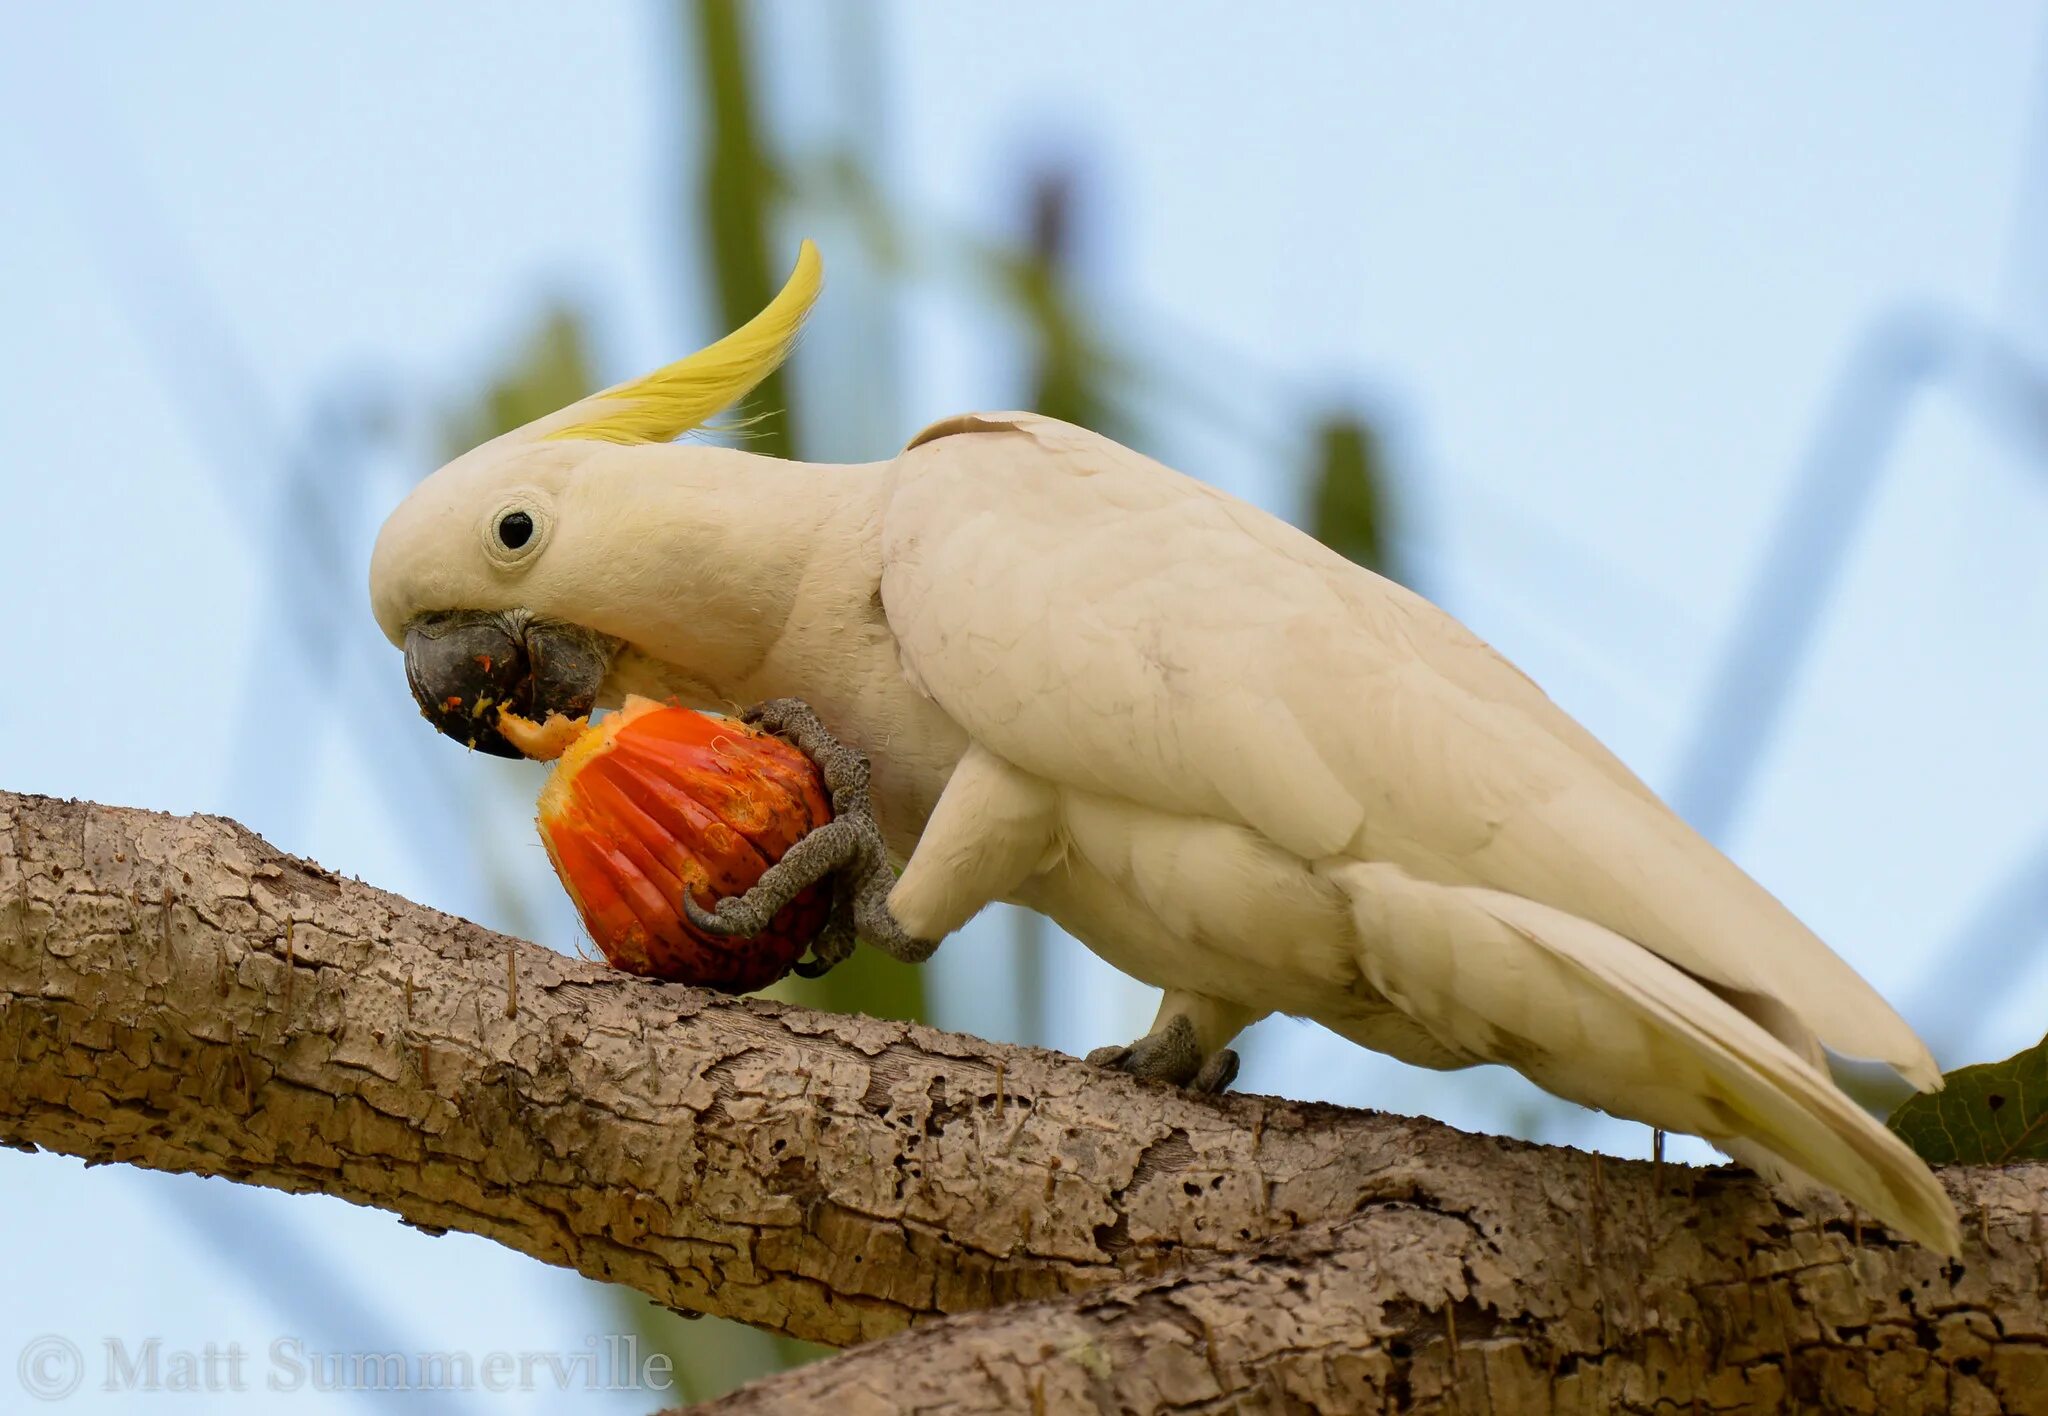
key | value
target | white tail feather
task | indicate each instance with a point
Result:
(1596, 1018)
(1773, 1100)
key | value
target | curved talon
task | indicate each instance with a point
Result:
(834, 944)
(1173, 1054)
(768, 708)
(719, 920)
(1217, 1073)
(760, 714)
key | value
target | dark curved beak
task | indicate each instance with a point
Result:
(464, 665)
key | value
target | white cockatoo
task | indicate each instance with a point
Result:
(1229, 761)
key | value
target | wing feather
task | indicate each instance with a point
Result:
(1108, 623)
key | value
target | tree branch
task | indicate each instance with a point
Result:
(1634, 1307)
(175, 993)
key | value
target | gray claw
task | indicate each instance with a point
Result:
(1172, 1054)
(730, 917)
(834, 943)
(849, 846)
(1217, 1073)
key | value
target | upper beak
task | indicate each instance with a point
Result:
(465, 665)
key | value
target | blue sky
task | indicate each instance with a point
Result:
(1599, 266)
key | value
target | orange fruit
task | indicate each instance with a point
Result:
(653, 801)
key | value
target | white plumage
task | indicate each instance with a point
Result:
(1326, 797)
(1229, 761)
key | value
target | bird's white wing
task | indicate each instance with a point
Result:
(1105, 622)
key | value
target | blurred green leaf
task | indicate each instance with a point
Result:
(869, 982)
(1073, 373)
(550, 368)
(740, 185)
(710, 1356)
(842, 178)
(1989, 1114)
(1347, 510)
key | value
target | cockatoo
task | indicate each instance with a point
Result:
(1231, 762)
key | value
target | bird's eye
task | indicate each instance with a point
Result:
(514, 531)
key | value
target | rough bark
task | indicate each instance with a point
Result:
(177, 994)
(1417, 1308)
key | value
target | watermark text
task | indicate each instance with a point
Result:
(53, 1366)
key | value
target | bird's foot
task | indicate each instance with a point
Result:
(1172, 1054)
(844, 768)
(849, 847)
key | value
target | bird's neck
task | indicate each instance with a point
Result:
(766, 573)
(766, 581)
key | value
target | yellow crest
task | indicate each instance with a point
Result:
(667, 403)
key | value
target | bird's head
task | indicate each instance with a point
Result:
(507, 576)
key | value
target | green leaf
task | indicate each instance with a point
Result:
(1347, 507)
(550, 369)
(1073, 373)
(735, 201)
(1989, 1114)
(708, 1357)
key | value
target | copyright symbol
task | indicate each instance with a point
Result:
(50, 1367)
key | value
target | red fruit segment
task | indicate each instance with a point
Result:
(654, 801)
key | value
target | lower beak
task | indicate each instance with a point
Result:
(466, 665)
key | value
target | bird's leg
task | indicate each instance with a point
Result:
(822, 850)
(845, 769)
(1186, 1044)
(993, 827)
(849, 846)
